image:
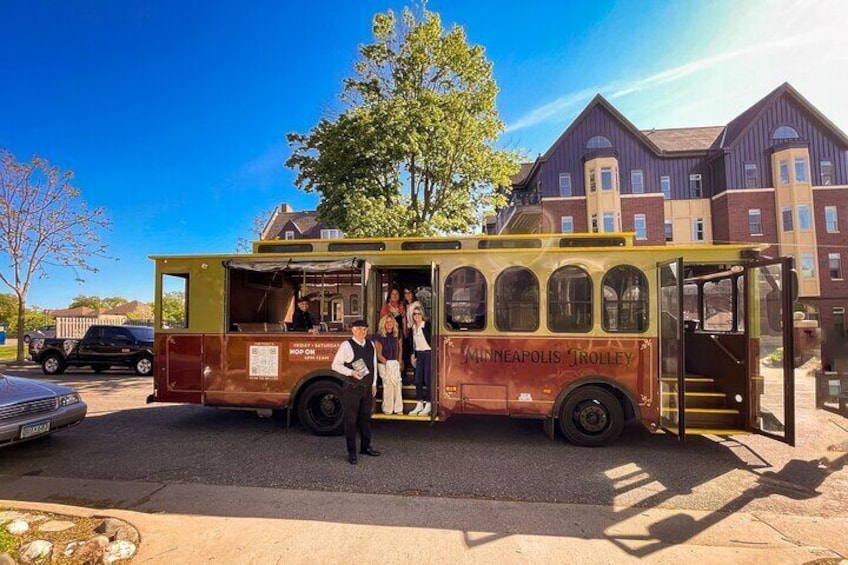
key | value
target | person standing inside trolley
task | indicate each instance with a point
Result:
(388, 344)
(302, 319)
(356, 360)
(411, 303)
(421, 361)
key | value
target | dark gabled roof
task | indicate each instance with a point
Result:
(303, 221)
(741, 123)
(522, 174)
(685, 139)
(599, 100)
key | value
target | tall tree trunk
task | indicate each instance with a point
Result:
(20, 332)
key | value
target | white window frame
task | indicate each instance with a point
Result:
(755, 224)
(830, 174)
(331, 233)
(784, 171)
(566, 221)
(805, 217)
(837, 257)
(669, 224)
(698, 230)
(605, 170)
(696, 186)
(666, 180)
(808, 259)
(786, 214)
(756, 175)
(637, 219)
(289, 235)
(611, 217)
(804, 175)
(637, 174)
(831, 219)
(565, 187)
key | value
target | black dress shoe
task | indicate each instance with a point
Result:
(370, 451)
(352, 459)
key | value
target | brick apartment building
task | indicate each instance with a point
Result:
(777, 174)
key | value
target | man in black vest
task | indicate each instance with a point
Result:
(356, 360)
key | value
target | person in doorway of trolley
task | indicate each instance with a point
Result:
(356, 360)
(389, 346)
(421, 361)
(411, 303)
(302, 319)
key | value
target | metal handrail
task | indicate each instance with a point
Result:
(723, 348)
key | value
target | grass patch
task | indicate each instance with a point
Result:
(7, 540)
(8, 352)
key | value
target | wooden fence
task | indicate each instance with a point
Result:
(75, 328)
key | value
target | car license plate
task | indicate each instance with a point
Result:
(35, 429)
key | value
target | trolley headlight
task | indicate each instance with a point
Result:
(68, 399)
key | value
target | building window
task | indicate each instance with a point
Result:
(566, 224)
(834, 261)
(665, 186)
(354, 305)
(669, 231)
(565, 184)
(465, 300)
(331, 234)
(593, 183)
(337, 310)
(289, 234)
(698, 229)
(570, 300)
(752, 176)
(785, 132)
(804, 217)
(755, 222)
(786, 215)
(640, 226)
(784, 172)
(606, 178)
(599, 142)
(839, 322)
(637, 181)
(609, 222)
(594, 223)
(625, 300)
(696, 189)
(831, 219)
(826, 168)
(808, 266)
(517, 301)
(801, 170)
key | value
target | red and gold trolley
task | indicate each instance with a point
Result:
(584, 331)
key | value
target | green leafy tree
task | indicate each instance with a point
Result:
(44, 224)
(34, 319)
(414, 150)
(174, 309)
(96, 302)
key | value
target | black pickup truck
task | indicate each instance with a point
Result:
(101, 348)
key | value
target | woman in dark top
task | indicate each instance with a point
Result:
(389, 355)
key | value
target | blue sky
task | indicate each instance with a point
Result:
(173, 114)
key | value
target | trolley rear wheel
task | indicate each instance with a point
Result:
(591, 416)
(320, 409)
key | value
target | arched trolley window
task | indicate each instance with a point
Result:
(570, 300)
(517, 300)
(465, 300)
(625, 300)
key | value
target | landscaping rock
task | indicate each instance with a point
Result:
(17, 527)
(36, 552)
(117, 530)
(93, 551)
(7, 515)
(55, 526)
(119, 550)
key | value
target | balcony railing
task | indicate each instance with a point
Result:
(516, 201)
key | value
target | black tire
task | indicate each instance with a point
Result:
(52, 364)
(99, 368)
(320, 409)
(143, 365)
(591, 416)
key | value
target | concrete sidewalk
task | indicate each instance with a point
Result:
(191, 523)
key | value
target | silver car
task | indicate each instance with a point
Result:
(42, 332)
(31, 408)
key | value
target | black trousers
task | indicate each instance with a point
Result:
(357, 402)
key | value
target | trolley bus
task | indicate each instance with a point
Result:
(583, 332)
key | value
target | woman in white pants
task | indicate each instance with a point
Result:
(389, 347)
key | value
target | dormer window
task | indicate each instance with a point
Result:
(785, 132)
(599, 142)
